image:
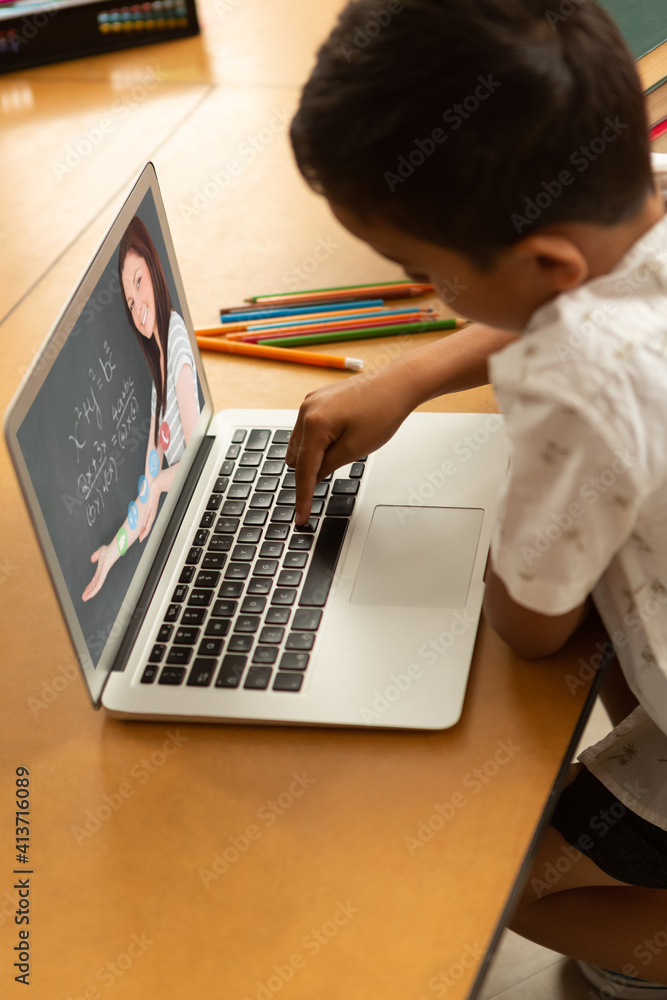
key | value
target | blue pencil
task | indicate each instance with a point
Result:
(243, 313)
(352, 316)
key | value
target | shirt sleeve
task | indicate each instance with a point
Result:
(180, 352)
(569, 504)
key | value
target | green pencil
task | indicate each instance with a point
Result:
(364, 333)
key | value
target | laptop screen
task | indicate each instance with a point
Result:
(108, 434)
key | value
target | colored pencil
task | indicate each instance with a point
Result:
(312, 319)
(389, 289)
(235, 313)
(364, 334)
(278, 354)
(253, 336)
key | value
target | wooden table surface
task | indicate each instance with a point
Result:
(234, 862)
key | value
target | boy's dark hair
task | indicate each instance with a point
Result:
(471, 123)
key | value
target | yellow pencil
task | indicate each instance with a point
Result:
(280, 354)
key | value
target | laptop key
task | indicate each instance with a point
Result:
(239, 491)
(227, 468)
(271, 550)
(200, 598)
(233, 451)
(214, 501)
(310, 526)
(277, 532)
(230, 588)
(302, 543)
(339, 506)
(258, 678)
(238, 437)
(221, 543)
(283, 596)
(221, 484)
(323, 562)
(244, 553)
(218, 627)
(281, 436)
(266, 567)
(208, 517)
(232, 508)
(246, 623)
(209, 647)
(300, 640)
(172, 675)
(245, 474)
(345, 487)
(249, 536)
(157, 652)
(265, 654)
(237, 571)
(289, 578)
(252, 459)
(231, 671)
(257, 440)
(284, 515)
(173, 611)
(179, 655)
(286, 681)
(294, 661)
(193, 616)
(186, 635)
(150, 673)
(240, 643)
(227, 525)
(295, 560)
(260, 585)
(267, 484)
(202, 672)
(261, 501)
(194, 555)
(208, 577)
(224, 609)
(213, 560)
(164, 633)
(357, 470)
(256, 517)
(253, 605)
(307, 619)
(276, 451)
(271, 634)
(278, 616)
(273, 468)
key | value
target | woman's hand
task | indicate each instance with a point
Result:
(105, 557)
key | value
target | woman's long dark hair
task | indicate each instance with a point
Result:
(136, 239)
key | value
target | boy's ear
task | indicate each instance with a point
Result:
(553, 260)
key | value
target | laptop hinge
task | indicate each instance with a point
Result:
(172, 529)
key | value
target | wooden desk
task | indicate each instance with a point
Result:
(234, 862)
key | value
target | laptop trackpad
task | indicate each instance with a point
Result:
(418, 557)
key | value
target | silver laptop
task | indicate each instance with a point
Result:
(169, 533)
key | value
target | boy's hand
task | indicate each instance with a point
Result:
(340, 423)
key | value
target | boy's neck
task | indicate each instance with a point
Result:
(604, 247)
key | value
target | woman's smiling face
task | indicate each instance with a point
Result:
(139, 295)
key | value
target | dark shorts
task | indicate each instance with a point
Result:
(589, 817)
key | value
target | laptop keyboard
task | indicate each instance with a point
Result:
(248, 605)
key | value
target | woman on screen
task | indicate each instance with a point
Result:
(174, 399)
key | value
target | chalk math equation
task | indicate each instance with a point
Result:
(101, 430)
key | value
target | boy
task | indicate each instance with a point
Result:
(498, 148)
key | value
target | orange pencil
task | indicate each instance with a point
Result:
(280, 354)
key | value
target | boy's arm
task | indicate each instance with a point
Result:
(529, 634)
(340, 423)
